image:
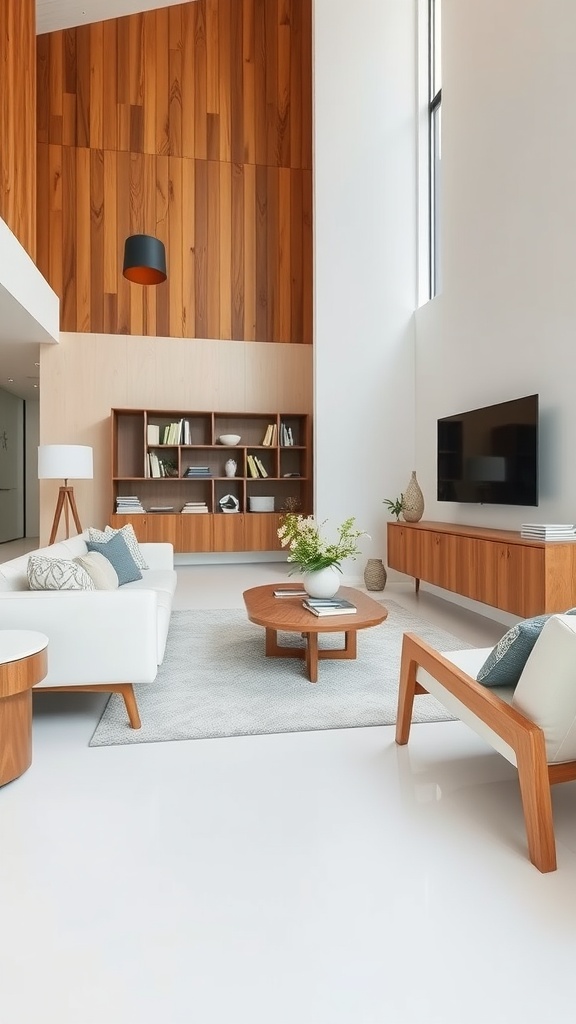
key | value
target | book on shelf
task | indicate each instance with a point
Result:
(252, 467)
(336, 606)
(153, 433)
(290, 592)
(267, 439)
(260, 466)
(286, 439)
(128, 504)
(274, 438)
(161, 508)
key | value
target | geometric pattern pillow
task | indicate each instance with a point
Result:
(504, 665)
(127, 532)
(100, 570)
(57, 574)
(115, 549)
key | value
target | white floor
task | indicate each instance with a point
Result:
(318, 878)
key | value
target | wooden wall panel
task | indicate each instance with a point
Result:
(192, 123)
(18, 63)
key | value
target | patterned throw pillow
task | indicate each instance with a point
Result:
(504, 665)
(116, 551)
(100, 570)
(127, 532)
(57, 574)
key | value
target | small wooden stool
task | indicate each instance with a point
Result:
(23, 663)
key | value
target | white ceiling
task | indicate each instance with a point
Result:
(56, 14)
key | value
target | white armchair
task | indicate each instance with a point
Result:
(532, 726)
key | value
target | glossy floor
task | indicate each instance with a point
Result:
(317, 878)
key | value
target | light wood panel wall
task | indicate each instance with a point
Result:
(87, 375)
(191, 123)
(17, 120)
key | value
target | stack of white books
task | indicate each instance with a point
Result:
(195, 506)
(128, 503)
(548, 531)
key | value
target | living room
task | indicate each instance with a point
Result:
(291, 876)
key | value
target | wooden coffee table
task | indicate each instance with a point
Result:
(288, 615)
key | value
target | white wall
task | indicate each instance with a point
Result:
(32, 439)
(505, 323)
(365, 259)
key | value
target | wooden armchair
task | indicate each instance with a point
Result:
(533, 727)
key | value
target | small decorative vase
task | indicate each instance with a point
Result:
(322, 582)
(230, 467)
(375, 574)
(413, 501)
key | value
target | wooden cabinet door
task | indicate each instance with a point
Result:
(163, 527)
(139, 522)
(521, 580)
(261, 531)
(438, 559)
(228, 531)
(404, 545)
(195, 532)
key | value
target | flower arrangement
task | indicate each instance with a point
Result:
(310, 550)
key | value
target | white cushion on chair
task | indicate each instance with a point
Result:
(546, 691)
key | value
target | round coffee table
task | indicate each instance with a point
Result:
(287, 614)
(23, 663)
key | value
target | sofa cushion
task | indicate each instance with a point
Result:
(100, 570)
(57, 574)
(127, 531)
(115, 549)
(546, 691)
(504, 664)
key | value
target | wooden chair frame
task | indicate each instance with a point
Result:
(526, 739)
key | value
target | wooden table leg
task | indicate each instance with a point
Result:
(312, 656)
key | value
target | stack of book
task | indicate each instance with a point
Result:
(128, 504)
(548, 531)
(286, 438)
(329, 606)
(198, 472)
(255, 466)
(195, 506)
(270, 435)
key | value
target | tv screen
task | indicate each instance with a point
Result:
(490, 455)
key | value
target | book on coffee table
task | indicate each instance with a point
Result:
(332, 606)
(290, 592)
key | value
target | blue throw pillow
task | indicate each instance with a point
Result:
(504, 665)
(117, 552)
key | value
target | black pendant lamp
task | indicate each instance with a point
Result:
(144, 259)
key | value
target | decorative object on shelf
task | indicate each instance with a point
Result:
(292, 504)
(261, 502)
(413, 501)
(313, 554)
(229, 439)
(394, 506)
(144, 260)
(64, 462)
(229, 503)
(230, 467)
(375, 574)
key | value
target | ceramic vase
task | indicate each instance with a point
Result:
(230, 467)
(322, 582)
(375, 574)
(413, 501)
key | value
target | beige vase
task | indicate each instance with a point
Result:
(375, 574)
(413, 501)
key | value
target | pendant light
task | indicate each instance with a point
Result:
(144, 259)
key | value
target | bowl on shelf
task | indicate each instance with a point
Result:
(229, 439)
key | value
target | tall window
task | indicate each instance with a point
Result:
(435, 124)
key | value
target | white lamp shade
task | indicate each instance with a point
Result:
(65, 461)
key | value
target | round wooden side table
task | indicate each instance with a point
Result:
(23, 663)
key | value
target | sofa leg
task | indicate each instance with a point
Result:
(126, 690)
(537, 803)
(406, 693)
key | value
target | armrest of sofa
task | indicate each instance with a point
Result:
(158, 556)
(94, 636)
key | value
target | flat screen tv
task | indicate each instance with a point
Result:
(490, 455)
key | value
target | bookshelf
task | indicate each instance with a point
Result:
(172, 458)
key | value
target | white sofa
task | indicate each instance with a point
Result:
(98, 639)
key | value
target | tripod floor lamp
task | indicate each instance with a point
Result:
(65, 462)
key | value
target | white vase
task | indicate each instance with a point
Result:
(230, 467)
(322, 582)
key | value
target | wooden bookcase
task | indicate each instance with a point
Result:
(497, 567)
(289, 479)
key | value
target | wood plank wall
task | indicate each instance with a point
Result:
(17, 120)
(192, 123)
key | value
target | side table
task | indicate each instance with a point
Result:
(23, 663)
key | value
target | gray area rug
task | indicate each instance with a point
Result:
(215, 681)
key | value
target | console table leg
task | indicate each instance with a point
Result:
(416, 586)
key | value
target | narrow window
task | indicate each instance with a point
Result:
(435, 149)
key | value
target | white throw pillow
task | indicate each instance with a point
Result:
(100, 570)
(57, 574)
(127, 531)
